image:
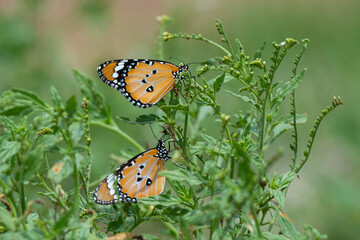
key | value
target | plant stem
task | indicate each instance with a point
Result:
(113, 127)
(218, 46)
(256, 220)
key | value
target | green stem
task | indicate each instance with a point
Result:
(77, 190)
(218, 45)
(257, 225)
(113, 127)
(263, 123)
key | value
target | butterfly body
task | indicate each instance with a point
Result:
(137, 178)
(143, 82)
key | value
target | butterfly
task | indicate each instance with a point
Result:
(143, 82)
(136, 178)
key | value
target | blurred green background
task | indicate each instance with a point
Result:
(42, 41)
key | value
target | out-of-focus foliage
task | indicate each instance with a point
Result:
(223, 189)
(41, 41)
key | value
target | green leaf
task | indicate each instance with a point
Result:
(56, 97)
(209, 139)
(30, 96)
(313, 233)
(148, 236)
(270, 236)
(7, 219)
(61, 169)
(239, 46)
(62, 223)
(227, 78)
(8, 149)
(76, 131)
(289, 86)
(279, 196)
(16, 110)
(284, 123)
(162, 200)
(71, 104)
(33, 162)
(142, 119)
(288, 229)
(183, 175)
(172, 213)
(8, 122)
(81, 162)
(218, 82)
(259, 52)
(244, 98)
(220, 233)
(179, 107)
(285, 179)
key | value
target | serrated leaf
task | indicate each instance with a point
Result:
(218, 82)
(244, 98)
(183, 175)
(288, 229)
(142, 119)
(174, 107)
(285, 178)
(209, 139)
(279, 196)
(8, 149)
(289, 86)
(162, 200)
(313, 233)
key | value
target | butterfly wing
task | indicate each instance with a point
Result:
(137, 178)
(143, 82)
(141, 179)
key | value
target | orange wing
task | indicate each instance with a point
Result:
(143, 82)
(137, 178)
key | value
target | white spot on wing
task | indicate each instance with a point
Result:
(119, 67)
(115, 75)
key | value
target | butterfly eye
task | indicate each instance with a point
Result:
(143, 82)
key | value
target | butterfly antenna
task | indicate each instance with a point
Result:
(152, 130)
(175, 59)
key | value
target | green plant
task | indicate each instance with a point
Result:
(224, 189)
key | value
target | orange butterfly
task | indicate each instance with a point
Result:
(137, 178)
(143, 82)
